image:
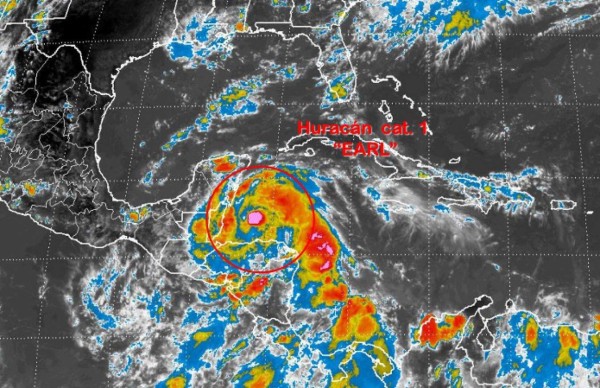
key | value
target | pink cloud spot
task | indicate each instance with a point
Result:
(255, 218)
(316, 235)
(326, 247)
(325, 266)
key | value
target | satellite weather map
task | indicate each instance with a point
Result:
(299, 193)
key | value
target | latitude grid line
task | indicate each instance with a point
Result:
(478, 254)
(466, 103)
(502, 103)
(45, 260)
(237, 34)
(564, 105)
(263, 34)
(548, 177)
(461, 103)
(60, 337)
(365, 255)
(56, 258)
(583, 178)
(45, 338)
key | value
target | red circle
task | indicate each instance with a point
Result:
(258, 167)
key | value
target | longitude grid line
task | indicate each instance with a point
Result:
(428, 145)
(47, 257)
(353, 170)
(428, 64)
(583, 181)
(281, 96)
(428, 194)
(203, 152)
(281, 113)
(40, 317)
(355, 100)
(505, 129)
(42, 295)
(210, 92)
(137, 122)
(114, 291)
(114, 294)
(428, 59)
(45, 262)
